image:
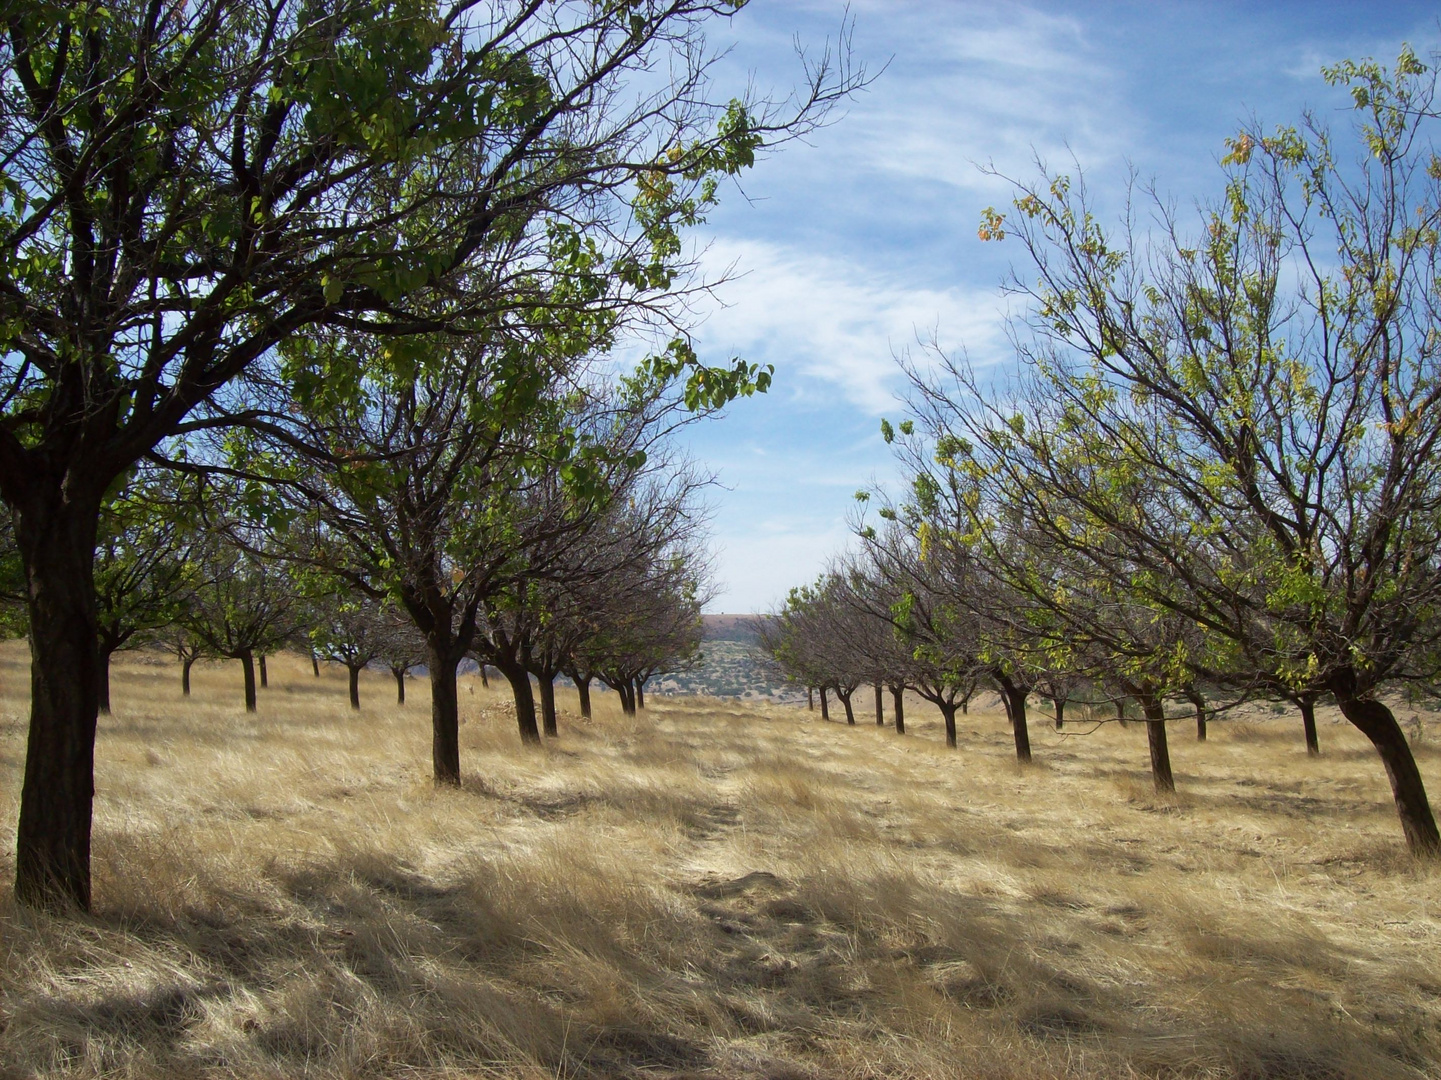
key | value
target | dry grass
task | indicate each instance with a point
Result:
(712, 890)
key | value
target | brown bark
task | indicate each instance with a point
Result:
(524, 697)
(264, 677)
(1307, 705)
(315, 664)
(1059, 704)
(825, 705)
(185, 675)
(846, 701)
(627, 697)
(1014, 696)
(640, 693)
(52, 845)
(102, 681)
(1375, 721)
(1198, 702)
(547, 706)
(898, 706)
(247, 660)
(354, 685)
(399, 674)
(444, 716)
(948, 714)
(582, 688)
(1155, 713)
(810, 699)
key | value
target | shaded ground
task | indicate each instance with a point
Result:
(713, 890)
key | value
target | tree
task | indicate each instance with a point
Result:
(1265, 394)
(186, 186)
(242, 607)
(353, 630)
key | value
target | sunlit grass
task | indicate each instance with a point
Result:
(712, 889)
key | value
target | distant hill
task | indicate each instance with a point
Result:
(731, 664)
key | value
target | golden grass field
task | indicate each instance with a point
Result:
(712, 890)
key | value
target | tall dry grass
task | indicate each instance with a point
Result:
(712, 890)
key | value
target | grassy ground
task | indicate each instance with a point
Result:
(712, 890)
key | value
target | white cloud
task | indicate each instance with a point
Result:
(836, 321)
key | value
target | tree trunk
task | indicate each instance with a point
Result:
(948, 713)
(1059, 704)
(640, 693)
(399, 674)
(1198, 702)
(524, 697)
(1375, 721)
(1015, 698)
(1308, 722)
(484, 679)
(185, 675)
(264, 678)
(825, 705)
(444, 715)
(1155, 712)
(582, 687)
(898, 705)
(354, 685)
(880, 709)
(102, 681)
(247, 660)
(52, 846)
(315, 663)
(627, 697)
(547, 705)
(846, 701)
(810, 699)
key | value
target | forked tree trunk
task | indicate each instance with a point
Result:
(185, 675)
(1014, 697)
(948, 714)
(354, 685)
(399, 674)
(264, 678)
(547, 705)
(626, 690)
(582, 688)
(846, 701)
(1154, 711)
(247, 660)
(1375, 721)
(898, 706)
(640, 693)
(1307, 705)
(52, 845)
(880, 709)
(444, 714)
(1198, 702)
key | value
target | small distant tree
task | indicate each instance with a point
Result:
(243, 606)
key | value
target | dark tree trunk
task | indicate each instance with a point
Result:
(1307, 705)
(354, 685)
(1060, 706)
(966, 704)
(484, 679)
(547, 705)
(1155, 712)
(626, 690)
(1198, 702)
(898, 706)
(810, 699)
(52, 846)
(315, 663)
(1015, 698)
(264, 678)
(444, 715)
(399, 674)
(880, 709)
(524, 696)
(1375, 721)
(582, 688)
(102, 680)
(825, 704)
(948, 714)
(185, 675)
(640, 693)
(846, 701)
(247, 661)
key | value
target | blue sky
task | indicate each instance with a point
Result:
(842, 251)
